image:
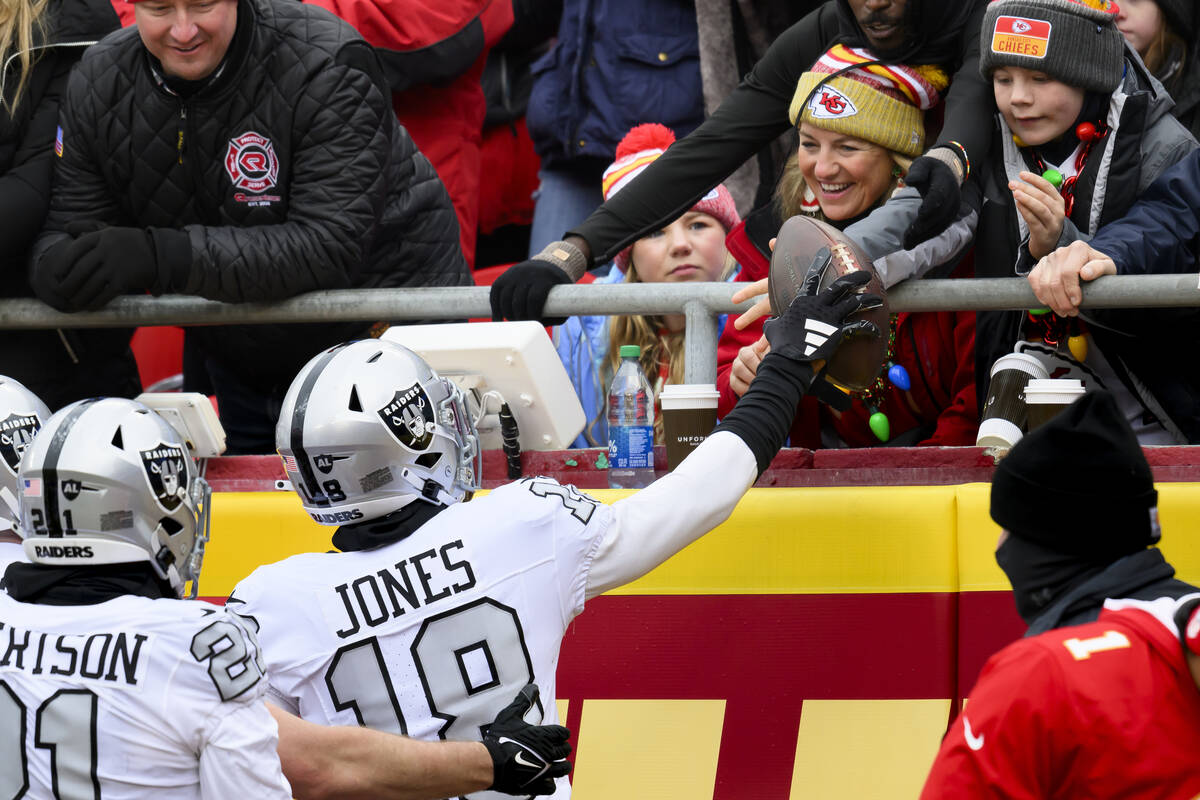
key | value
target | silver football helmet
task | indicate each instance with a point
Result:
(368, 427)
(108, 481)
(22, 415)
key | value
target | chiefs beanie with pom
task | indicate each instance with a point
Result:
(637, 149)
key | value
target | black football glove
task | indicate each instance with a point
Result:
(941, 193)
(526, 758)
(815, 324)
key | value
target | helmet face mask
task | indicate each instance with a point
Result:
(368, 428)
(111, 482)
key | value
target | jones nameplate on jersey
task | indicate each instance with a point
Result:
(115, 658)
(371, 600)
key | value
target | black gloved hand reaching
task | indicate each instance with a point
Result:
(938, 176)
(815, 323)
(521, 291)
(526, 758)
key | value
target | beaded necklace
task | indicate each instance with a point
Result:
(874, 396)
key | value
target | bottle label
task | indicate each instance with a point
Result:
(631, 447)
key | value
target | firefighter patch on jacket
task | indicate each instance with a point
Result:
(251, 162)
(409, 417)
(16, 434)
(166, 470)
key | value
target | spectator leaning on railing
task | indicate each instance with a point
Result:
(1159, 234)
(240, 150)
(1078, 141)
(39, 43)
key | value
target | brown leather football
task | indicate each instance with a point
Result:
(857, 362)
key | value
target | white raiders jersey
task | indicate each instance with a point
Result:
(133, 699)
(433, 635)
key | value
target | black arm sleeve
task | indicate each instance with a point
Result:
(763, 415)
(753, 115)
(970, 105)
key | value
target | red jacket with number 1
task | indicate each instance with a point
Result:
(1103, 710)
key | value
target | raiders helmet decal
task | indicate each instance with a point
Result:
(16, 434)
(409, 418)
(166, 470)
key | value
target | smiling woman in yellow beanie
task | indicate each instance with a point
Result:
(861, 124)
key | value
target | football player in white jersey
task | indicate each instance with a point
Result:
(21, 416)
(111, 686)
(436, 610)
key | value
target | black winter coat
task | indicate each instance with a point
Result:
(59, 366)
(287, 170)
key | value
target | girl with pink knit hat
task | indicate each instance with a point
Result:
(691, 248)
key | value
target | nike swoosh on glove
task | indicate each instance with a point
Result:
(521, 291)
(940, 198)
(526, 758)
(815, 324)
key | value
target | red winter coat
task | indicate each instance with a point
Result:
(1103, 710)
(937, 349)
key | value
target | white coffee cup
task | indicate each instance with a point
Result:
(689, 415)
(1004, 413)
(1046, 397)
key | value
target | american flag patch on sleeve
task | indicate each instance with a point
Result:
(31, 487)
(58, 143)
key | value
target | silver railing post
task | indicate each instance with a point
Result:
(698, 302)
(700, 355)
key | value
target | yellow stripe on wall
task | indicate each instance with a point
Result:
(673, 754)
(1178, 515)
(779, 541)
(866, 748)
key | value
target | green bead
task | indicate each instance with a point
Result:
(880, 426)
(1054, 177)
(1037, 312)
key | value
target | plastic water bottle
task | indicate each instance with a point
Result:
(630, 424)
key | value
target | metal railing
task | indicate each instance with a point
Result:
(701, 303)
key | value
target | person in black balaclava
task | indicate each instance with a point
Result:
(1077, 503)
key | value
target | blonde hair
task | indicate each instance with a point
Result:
(21, 22)
(1165, 42)
(789, 194)
(659, 346)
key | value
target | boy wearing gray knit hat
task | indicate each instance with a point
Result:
(1073, 41)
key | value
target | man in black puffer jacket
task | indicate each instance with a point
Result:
(240, 150)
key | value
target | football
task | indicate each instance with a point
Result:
(858, 361)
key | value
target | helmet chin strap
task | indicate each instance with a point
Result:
(427, 489)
